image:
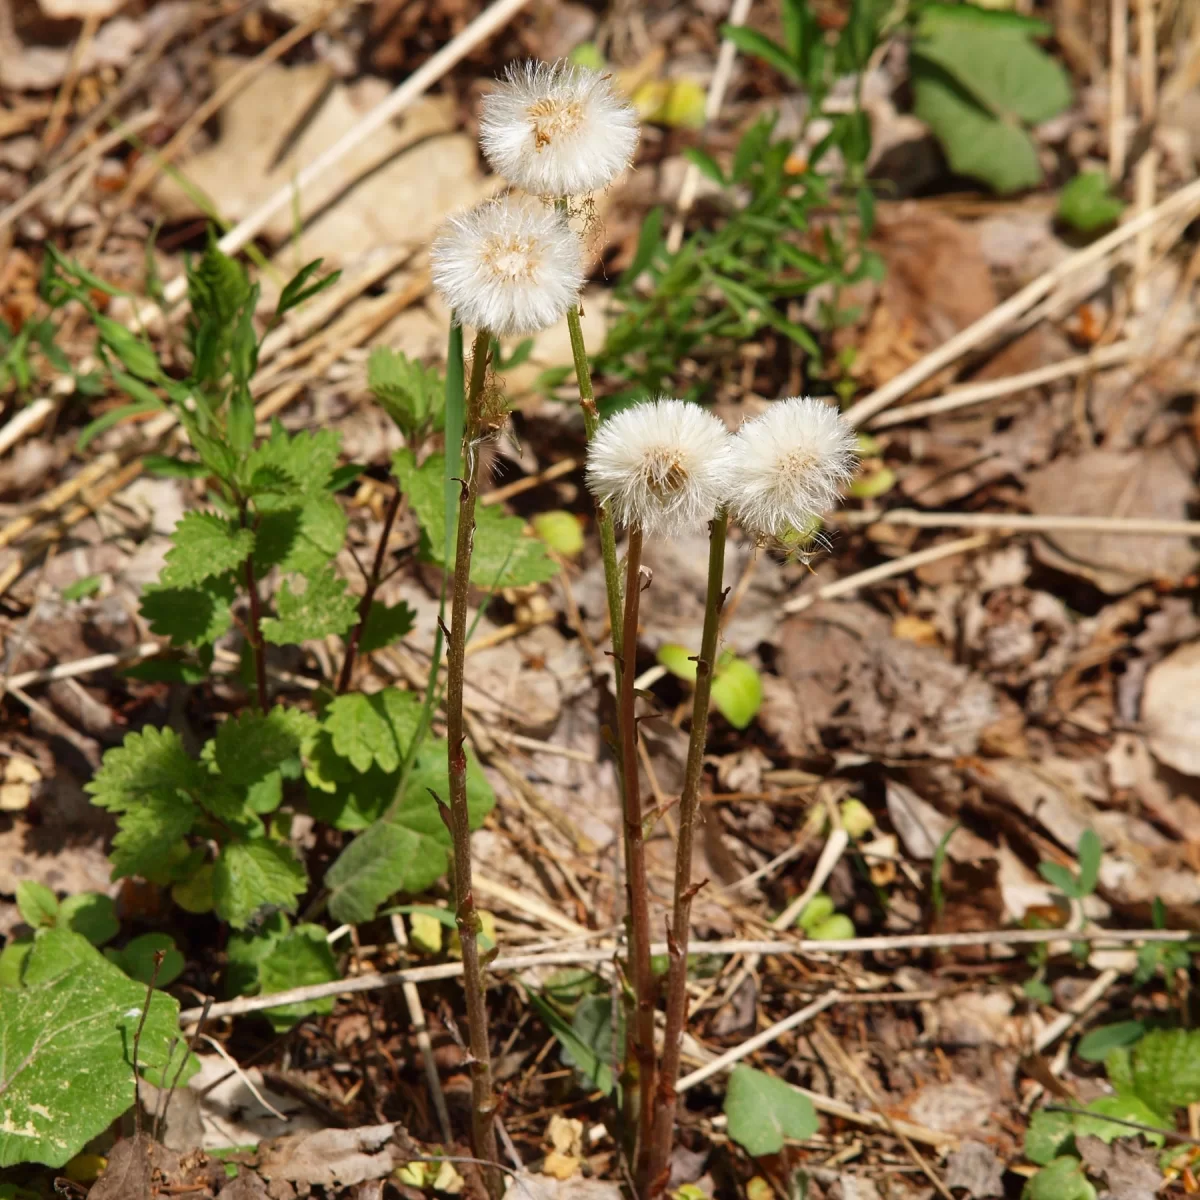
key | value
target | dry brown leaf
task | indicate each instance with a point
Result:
(1157, 482)
(1171, 709)
(332, 1156)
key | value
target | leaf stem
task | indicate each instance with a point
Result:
(483, 1104)
(257, 645)
(635, 857)
(678, 930)
(364, 607)
(608, 537)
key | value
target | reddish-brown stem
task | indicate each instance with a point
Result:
(255, 632)
(483, 1104)
(677, 931)
(364, 605)
(635, 860)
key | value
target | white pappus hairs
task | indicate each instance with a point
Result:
(789, 465)
(511, 267)
(662, 465)
(556, 129)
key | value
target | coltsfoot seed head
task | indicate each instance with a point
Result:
(511, 267)
(789, 465)
(556, 129)
(662, 465)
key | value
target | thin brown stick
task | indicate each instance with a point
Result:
(563, 958)
(679, 930)
(638, 885)
(483, 1104)
(364, 605)
(1118, 38)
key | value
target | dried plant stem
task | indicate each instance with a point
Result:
(637, 883)
(364, 607)
(677, 933)
(483, 1133)
(608, 538)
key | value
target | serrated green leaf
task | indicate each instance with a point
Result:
(301, 958)
(1087, 202)
(91, 914)
(65, 1069)
(298, 534)
(150, 780)
(762, 1111)
(375, 729)
(299, 463)
(386, 625)
(249, 748)
(1048, 1135)
(194, 616)
(414, 396)
(410, 851)
(253, 879)
(1166, 1069)
(324, 607)
(975, 142)
(36, 903)
(204, 545)
(502, 555)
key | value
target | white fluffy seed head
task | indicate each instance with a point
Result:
(556, 129)
(511, 267)
(789, 465)
(662, 465)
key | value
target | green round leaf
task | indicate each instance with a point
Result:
(762, 1111)
(1096, 1044)
(137, 959)
(195, 894)
(838, 928)
(91, 914)
(737, 692)
(819, 908)
(561, 531)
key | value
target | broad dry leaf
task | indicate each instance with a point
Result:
(1150, 483)
(1171, 709)
(332, 1156)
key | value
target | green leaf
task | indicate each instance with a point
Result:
(91, 914)
(204, 545)
(298, 289)
(836, 928)
(414, 396)
(1060, 877)
(87, 586)
(679, 660)
(65, 1069)
(503, 556)
(737, 692)
(705, 164)
(195, 893)
(1096, 1044)
(137, 959)
(12, 961)
(254, 746)
(253, 879)
(1063, 1179)
(587, 1040)
(1087, 202)
(114, 416)
(149, 780)
(300, 959)
(410, 850)
(1089, 853)
(375, 729)
(750, 41)
(386, 625)
(975, 142)
(1124, 1108)
(324, 607)
(762, 1111)
(1166, 1069)
(299, 464)
(194, 616)
(300, 537)
(245, 953)
(137, 356)
(1003, 71)
(561, 531)
(36, 903)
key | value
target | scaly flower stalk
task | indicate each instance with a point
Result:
(483, 1103)
(678, 932)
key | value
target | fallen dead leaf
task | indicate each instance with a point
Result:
(332, 1156)
(127, 1176)
(1171, 709)
(975, 1169)
(1126, 1166)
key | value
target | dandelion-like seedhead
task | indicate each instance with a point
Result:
(556, 129)
(508, 266)
(662, 465)
(788, 466)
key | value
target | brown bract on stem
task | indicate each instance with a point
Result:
(635, 857)
(677, 933)
(483, 1104)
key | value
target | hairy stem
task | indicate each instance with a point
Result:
(483, 1104)
(635, 857)
(608, 537)
(364, 606)
(677, 932)
(257, 645)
